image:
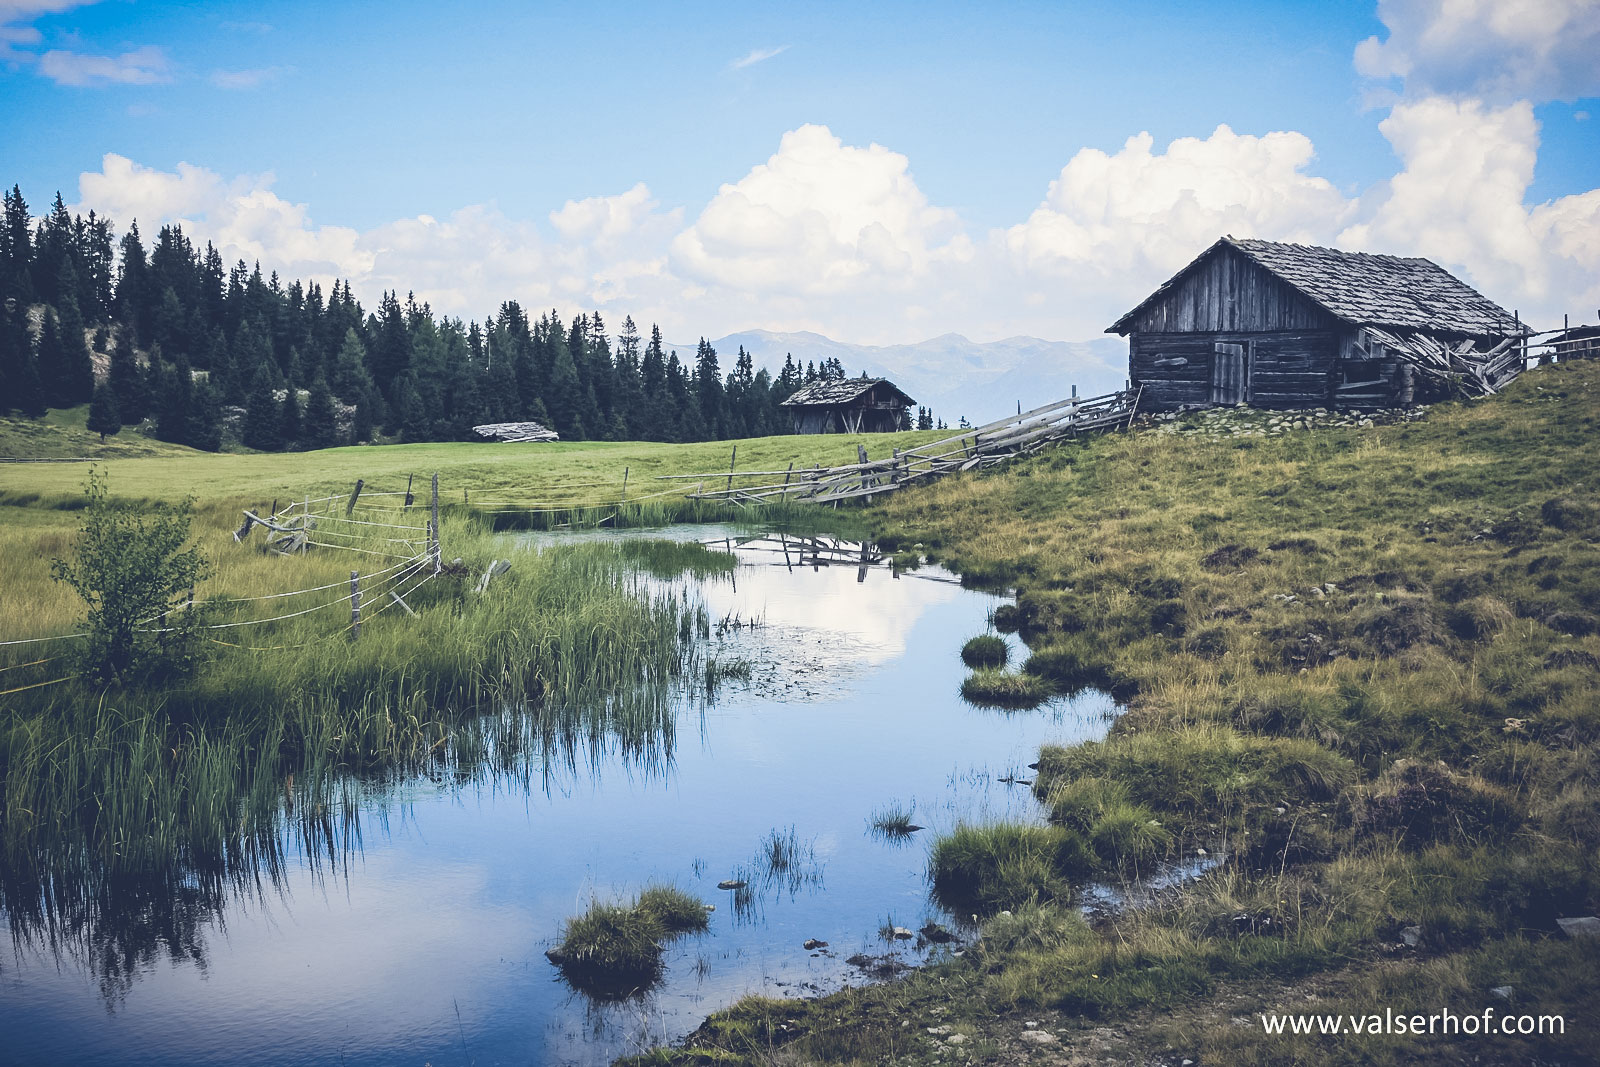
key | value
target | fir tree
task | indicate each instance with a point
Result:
(203, 428)
(16, 249)
(128, 382)
(263, 421)
(103, 416)
(174, 396)
(289, 412)
(321, 424)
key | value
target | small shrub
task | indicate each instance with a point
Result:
(1003, 689)
(985, 650)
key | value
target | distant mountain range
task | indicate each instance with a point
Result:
(980, 380)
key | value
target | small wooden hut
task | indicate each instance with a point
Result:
(849, 405)
(1296, 326)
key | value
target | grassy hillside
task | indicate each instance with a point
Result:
(61, 434)
(1363, 666)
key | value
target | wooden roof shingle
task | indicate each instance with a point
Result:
(1366, 289)
(832, 391)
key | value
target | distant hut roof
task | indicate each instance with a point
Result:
(516, 431)
(1365, 289)
(840, 391)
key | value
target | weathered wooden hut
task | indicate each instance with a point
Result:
(1291, 326)
(849, 405)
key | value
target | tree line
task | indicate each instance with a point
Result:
(208, 352)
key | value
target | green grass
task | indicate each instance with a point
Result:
(894, 821)
(613, 951)
(1287, 618)
(993, 688)
(985, 650)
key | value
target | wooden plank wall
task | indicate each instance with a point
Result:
(1229, 292)
(1289, 369)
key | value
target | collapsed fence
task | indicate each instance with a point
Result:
(972, 449)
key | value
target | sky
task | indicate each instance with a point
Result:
(880, 173)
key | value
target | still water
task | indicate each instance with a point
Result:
(426, 944)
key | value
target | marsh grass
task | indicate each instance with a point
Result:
(613, 951)
(985, 650)
(894, 822)
(1286, 617)
(994, 688)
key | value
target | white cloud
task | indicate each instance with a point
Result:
(244, 79)
(142, 66)
(756, 55)
(1498, 50)
(1459, 200)
(1139, 214)
(818, 217)
(16, 23)
(840, 239)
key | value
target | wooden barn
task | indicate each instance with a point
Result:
(849, 405)
(1296, 326)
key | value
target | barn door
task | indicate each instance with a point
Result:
(1230, 374)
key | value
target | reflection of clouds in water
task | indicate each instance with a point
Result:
(369, 933)
(868, 621)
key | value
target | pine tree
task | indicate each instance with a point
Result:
(13, 353)
(131, 284)
(54, 373)
(128, 382)
(263, 421)
(321, 424)
(16, 249)
(103, 416)
(351, 381)
(174, 396)
(709, 391)
(290, 421)
(77, 367)
(203, 428)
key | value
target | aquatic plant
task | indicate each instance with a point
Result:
(894, 821)
(982, 869)
(614, 950)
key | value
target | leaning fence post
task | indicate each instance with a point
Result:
(409, 498)
(350, 507)
(625, 484)
(733, 461)
(355, 605)
(437, 562)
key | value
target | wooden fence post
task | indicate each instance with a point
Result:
(356, 493)
(625, 483)
(438, 563)
(355, 605)
(409, 498)
(733, 461)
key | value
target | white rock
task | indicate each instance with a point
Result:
(1037, 1037)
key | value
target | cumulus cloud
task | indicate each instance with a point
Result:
(840, 239)
(1141, 214)
(1459, 199)
(1497, 50)
(816, 218)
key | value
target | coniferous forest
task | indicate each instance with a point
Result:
(201, 353)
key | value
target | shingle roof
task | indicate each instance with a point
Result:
(1365, 288)
(840, 391)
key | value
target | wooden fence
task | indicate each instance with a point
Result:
(974, 449)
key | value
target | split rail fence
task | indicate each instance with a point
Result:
(973, 449)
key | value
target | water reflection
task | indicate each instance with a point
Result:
(406, 916)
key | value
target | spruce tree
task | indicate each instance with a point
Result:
(290, 421)
(203, 427)
(263, 421)
(321, 423)
(128, 382)
(13, 352)
(174, 395)
(103, 417)
(16, 249)
(57, 378)
(77, 367)
(351, 380)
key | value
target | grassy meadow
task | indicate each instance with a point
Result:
(1363, 674)
(1362, 668)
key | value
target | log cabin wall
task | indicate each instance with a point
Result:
(1228, 292)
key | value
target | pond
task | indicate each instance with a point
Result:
(834, 696)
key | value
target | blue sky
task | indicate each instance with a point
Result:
(363, 115)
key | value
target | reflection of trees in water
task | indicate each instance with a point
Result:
(112, 913)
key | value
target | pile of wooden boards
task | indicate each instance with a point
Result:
(1459, 364)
